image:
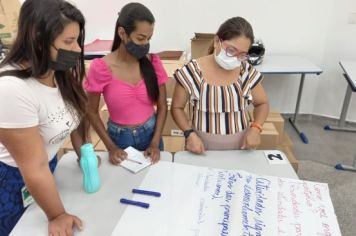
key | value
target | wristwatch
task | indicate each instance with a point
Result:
(187, 132)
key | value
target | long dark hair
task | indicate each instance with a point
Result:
(40, 23)
(129, 15)
(234, 27)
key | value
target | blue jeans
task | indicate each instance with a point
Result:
(138, 137)
(11, 206)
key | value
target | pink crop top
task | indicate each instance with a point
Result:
(127, 104)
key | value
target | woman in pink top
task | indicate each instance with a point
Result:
(132, 82)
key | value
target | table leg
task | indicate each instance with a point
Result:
(294, 119)
(345, 107)
(347, 167)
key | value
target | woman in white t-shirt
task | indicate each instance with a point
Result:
(41, 103)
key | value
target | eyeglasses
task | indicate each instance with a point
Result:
(233, 52)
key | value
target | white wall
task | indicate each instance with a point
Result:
(340, 44)
(315, 29)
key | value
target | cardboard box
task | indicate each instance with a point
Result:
(285, 141)
(269, 137)
(200, 44)
(100, 146)
(170, 55)
(180, 60)
(60, 152)
(277, 120)
(286, 145)
(9, 14)
(170, 85)
(104, 115)
(87, 66)
(170, 68)
(67, 145)
(170, 127)
(290, 155)
(273, 117)
(173, 144)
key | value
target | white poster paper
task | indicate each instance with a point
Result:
(199, 201)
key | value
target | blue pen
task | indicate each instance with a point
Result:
(145, 192)
(135, 203)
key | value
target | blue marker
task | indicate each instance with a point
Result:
(145, 192)
(134, 203)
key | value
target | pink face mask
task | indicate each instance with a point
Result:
(226, 62)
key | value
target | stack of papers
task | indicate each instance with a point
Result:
(135, 161)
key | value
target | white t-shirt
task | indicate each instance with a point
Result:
(27, 103)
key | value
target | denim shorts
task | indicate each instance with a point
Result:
(138, 137)
(11, 206)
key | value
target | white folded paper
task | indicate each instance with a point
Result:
(135, 161)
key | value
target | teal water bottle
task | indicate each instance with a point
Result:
(89, 166)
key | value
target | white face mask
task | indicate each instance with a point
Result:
(227, 63)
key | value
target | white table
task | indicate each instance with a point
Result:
(252, 161)
(349, 72)
(273, 64)
(99, 211)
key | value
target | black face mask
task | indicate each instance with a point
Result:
(65, 60)
(136, 50)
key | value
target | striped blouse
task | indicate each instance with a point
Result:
(218, 109)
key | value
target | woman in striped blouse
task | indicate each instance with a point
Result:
(220, 86)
